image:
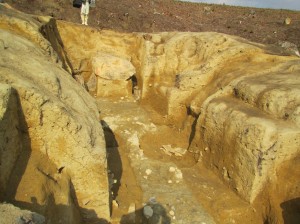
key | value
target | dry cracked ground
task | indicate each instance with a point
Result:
(103, 126)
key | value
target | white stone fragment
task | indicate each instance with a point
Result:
(115, 204)
(172, 213)
(178, 174)
(173, 151)
(172, 169)
(148, 171)
(131, 208)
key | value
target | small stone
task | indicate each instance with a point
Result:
(145, 177)
(122, 98)
(131, 208)
(26, 218)
(115, 204)
(148, 171)
(178, 174)
(152, 200)
(170, 181)
(287, 21)
(172, 169)
(172, 213)
(148, 211)
(232, 221)
(207, 9)
(206, 148)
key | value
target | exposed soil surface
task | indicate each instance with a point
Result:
(124, 120)
(259, 25)
(144, 172)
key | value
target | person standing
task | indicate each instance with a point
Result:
(84, 12)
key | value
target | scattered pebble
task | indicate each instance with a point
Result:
(148, 171)
(172, 213)
(172, 169)
(178, 174)
(287, 21)
(207, 9)
(115, 204)
(170, 181)
(131, 208)
(152, 200)
(148, 211)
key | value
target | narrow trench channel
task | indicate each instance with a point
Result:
(133, 183)
(135, 179)
(125, 194)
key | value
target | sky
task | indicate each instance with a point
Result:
(274, 4)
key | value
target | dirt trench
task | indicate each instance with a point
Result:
(186, 191)
(150, 161)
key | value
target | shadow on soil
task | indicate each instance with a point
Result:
(51, 33)
(114, 162)
(291, 211)
(53, 212)
(159, 215)
(23, 153)
(190, 112)
(58, 213)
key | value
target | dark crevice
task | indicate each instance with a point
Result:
(114, 162)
